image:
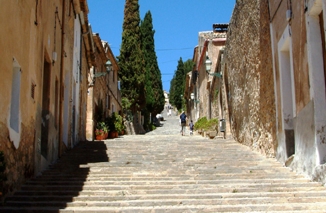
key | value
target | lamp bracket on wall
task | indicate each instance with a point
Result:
(216, 74)
(99, 74)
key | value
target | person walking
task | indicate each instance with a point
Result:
(191, 127)
(183, 119)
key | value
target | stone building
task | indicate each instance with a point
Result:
(273, 72)
(248, 77)
(104, 96)
(44, 84)
(198, 93)
(297, 31)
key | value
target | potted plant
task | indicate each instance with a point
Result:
(111, 123)
(118, 124)
(101, 131)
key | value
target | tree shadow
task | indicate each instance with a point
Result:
(60, 183)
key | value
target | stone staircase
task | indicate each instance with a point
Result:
(155, 173)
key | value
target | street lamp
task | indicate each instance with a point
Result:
(108, 68)
(208, 63)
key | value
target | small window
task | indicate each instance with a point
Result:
(56, 103)
(113, 108)
(33, 85)
(15, 97)
(107, 104)
(14, 119)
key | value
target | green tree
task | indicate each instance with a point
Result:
(172, 90)
(188, 66)
(178, 85)
(153, 83)
(130, 60)
(178, 82)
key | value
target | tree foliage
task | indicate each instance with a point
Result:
(131, 60)
(178, 81)
(153, 82)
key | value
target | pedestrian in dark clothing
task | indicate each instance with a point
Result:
(183, 119)
(191, 127)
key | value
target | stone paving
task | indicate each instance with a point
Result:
(170, 126)
(163, 171)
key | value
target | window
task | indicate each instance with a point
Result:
(15, 96)
(107, 104)
(33, 85)
(287, 90)
(56, 107)
(14, 114)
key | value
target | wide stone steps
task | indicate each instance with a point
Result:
(259, 202)
(176, 208)
(175, 189)
(160, 181)
(167, 175)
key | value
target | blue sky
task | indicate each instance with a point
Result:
(176, 24)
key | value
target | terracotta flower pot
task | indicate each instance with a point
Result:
(113, 134)
(99, 137)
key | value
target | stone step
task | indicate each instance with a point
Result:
(173, 183)
(155, 167)
(191, 173)
(220, 197)
(220, 178)
(293, 207)
(169, 202)
(155, 189)
(168, 194)
(160, 180)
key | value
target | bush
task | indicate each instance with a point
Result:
(206, 125)
(115, 122)
(200, 123)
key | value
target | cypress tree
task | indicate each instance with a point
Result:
(131, 62)
(153, 86)
(177, 84)
(172, 90)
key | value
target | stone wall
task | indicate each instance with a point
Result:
(250, 85)
(19, 162)
(42, 86)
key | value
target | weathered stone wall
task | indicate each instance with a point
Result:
(26, 152)
(22, 154)
(249, 76)
(300, 85)
(19, 162)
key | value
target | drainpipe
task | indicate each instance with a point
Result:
(61, 75)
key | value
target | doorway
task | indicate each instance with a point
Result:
(287, 91)
(45, 108)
